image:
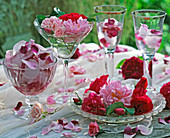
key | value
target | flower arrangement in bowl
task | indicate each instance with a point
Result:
(111, 101)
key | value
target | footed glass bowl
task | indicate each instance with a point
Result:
(157, 99)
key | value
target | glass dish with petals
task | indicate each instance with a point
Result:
(30, 82)
(158, 105)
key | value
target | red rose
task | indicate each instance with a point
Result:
(119, 111)
(132, 68)
(142, 104)
(140, 88)
(76, 54)
(165, 91)
(73, 16)
(97, 84)
(93, 104)
(94, 129)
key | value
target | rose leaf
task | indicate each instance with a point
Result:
(114, 106)
(120, 64)
(130, 110)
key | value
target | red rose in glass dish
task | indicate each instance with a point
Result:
(165, 91)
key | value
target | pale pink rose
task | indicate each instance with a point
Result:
(115, 92)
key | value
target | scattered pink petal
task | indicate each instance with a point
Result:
(166, 60)
(80, 81)
(167, 119)
(58, 83)
(159, 76)
(167, 71)
(77, 70)
(50, 99)
(62, 121)
(50, 110)
(65, 98)
(75, 122)
(60, 90)
(129, 131)
(19, 105)
(46, 130)
(162, 121)
(129, 136)
(69, 126)
(70, 90)
(76, 129)
(92, 57)
(145, 130)
(68, 134)
(71, 75)
(20, 112)
(120, 49)
(1, 84)
(56, 127)
(34, 136)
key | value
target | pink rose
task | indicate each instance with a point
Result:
(93, 104)
(165, 91)
(94, 129)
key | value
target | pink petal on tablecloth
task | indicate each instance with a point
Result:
(162, 121)
(129, 131)
(167, 119)
(167, 71)
(76, 129)
(46, 130)
(1, 84)
(68, 134)
(75, 122)
(20, 112)
(50, 110)
(145, 130)
(56, 127)
(19, 105)
(69, 126)
(92, 57)
(129, 136)
(50, 99)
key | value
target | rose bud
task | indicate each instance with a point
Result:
(76, 100)
(19, 105)
(119, 111)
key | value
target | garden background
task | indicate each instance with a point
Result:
(17, 16)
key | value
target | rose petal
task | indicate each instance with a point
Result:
(129, 136)
(46, 130)
(69, 126)
(162, 121)
(167, 119)
(30, 63)
(68, 134)
(129, 131)
(76, 129)
(145, 130)
(20, 112)
(1, 84)
(50, 110)
(19, 105)
(56, 127)
(50, 99)
(75, 122)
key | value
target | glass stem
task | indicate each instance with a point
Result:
(109, 64)
(30, 100)
(65, 62)
(147, 68)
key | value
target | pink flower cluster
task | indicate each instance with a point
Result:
(104, 92)
(74, 25)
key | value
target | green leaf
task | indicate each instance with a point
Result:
(131, 111)
(140, 57)
(91, 19)
(120, 64)
(40, 18)
(114, 106)
(81, 101)
(56, 12)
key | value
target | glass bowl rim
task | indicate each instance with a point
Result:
(135, 13)
(111, 12)
(38, 68)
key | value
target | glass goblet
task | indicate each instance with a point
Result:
(64, 46)
(110, 20)
(148, 26)
(30, 82)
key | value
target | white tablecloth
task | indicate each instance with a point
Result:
(11, 127)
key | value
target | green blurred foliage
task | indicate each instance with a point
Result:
(17, 16)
